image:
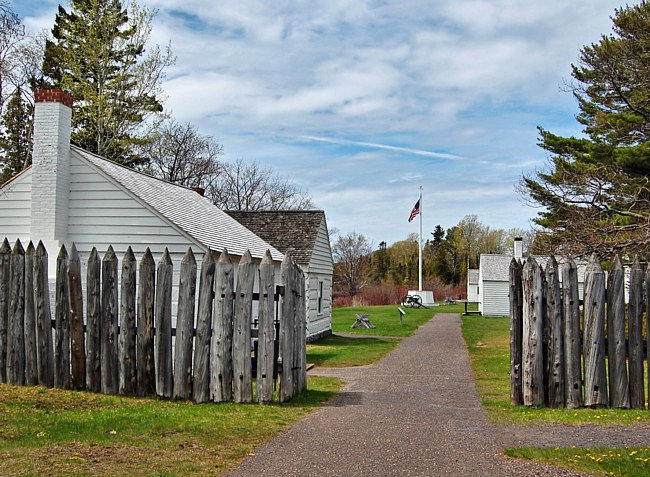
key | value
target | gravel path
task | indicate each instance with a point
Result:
(415, 412)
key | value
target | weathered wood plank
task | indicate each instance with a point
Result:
(266, 333)
(635, 336)
(619, 389)
(127, 334)
(241, 344)
(594, 335)
(146, 378)
(572, 336)
(185, 327)
(31, 360)
(287, 329)
(555, 327)
(62, 323)
(109, 333)
(532, 332)
(93, 323)
(302, 328)
(77, 345)
(201, 381)
(5, 267)
(647, 323)
(516, 325)
(221, 371)
(16, 319)
(44, 352)
(163, 342)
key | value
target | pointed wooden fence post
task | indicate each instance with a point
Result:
(287, 330)
(31, 361)
(572, 336)
(201, 380)
(44, 354)
(619, 390)
(516, 325)
(93, 323)
(127, 352)
(555, 321)
(185, 327)
(109, 366)
(77, 345)
(163, 343)
(5, 267)
(146, 374)
(266, 332)
(221, 367)
(635, 325)
(533, 323)
(16, 321)
(594, 335)
(62, 323)
(241, 343)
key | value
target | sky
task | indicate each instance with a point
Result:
(359, 102)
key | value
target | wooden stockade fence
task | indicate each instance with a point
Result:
(549, 349)
(125, 344)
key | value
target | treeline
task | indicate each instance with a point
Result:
(446, 256)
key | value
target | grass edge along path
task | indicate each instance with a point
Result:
(626, 461)
(55, 432)
(341, 351)
(488, 343)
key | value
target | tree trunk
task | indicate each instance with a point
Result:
(555, 326)
(516, 325)
(619, 389)
(594, 335)
(221, 374)
(201, 381)
(146, 378)
(572, 336)
(127, 335)
(185, 328)
(78, 348)
(635, 324)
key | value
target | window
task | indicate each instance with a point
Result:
(320, 297)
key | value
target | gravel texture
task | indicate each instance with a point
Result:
(416, 412)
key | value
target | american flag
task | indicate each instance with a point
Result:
(415, 211)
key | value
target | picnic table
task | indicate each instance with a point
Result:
(469, 312)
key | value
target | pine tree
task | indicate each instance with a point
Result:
(15, 139)
(97, 55)
(596, 195)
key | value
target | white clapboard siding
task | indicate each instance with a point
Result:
(319, 270)
(495, 300)
(15, 208)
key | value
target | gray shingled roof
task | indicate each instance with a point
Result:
(192, 213)
(286, 230)
(497, 267)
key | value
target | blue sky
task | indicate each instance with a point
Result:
(360, 101)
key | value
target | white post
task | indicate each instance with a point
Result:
(420, 246)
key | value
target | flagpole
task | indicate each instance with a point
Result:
(420, 246)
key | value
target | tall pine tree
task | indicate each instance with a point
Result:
(98, 55)
(15, 137)
(596, 195)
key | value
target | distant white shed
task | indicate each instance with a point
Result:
(472, 284)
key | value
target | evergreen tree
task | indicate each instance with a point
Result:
(15, 139)
(97, 55)
(596, 196)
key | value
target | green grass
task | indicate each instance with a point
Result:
(628, 461)
(54, 432)
(339, 351)
(488, 343)
(386, 319)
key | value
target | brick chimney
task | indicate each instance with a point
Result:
(51, 168)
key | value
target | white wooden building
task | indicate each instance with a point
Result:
(70, 195)
(494, 280)
(304, 234)
(472, 284)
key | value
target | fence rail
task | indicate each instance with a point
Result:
(125, 346)
(548, 347)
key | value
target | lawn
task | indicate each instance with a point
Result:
(628, 461)
(488, 342)
(340, 351)
(48, 431)
(386, 319)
